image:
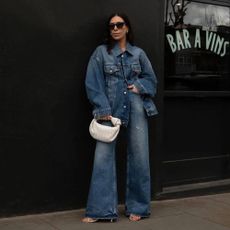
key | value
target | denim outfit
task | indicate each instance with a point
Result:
(107, 77)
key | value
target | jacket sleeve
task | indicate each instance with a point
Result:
(147, 81)
(95, 86)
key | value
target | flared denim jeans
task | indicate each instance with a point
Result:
(103, 198)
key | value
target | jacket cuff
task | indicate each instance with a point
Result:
(97, 113)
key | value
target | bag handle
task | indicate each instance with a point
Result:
(115, 121)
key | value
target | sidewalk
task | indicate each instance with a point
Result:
(197, 213)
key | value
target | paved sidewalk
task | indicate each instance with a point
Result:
(197, 213)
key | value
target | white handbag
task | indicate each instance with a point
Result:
(105, 133)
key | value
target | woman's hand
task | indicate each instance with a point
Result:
(106, 118)
(133, 88)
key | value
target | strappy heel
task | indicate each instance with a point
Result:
(92, 220)
(113, 220)
(109, 220)
(89, 220)
(133, 217)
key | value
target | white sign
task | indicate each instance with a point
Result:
(213, 41)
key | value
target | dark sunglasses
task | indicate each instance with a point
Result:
(119, 25)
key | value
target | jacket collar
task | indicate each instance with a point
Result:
(117, 51)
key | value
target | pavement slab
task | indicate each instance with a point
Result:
(210, 212)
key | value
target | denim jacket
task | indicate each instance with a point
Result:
(108, 75)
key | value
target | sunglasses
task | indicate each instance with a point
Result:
(119, 25)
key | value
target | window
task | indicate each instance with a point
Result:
(197, 52)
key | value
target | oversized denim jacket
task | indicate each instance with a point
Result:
(107, 77)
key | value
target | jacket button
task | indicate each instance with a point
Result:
(125, 92)
(124, 106)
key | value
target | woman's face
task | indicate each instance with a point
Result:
(118, 28)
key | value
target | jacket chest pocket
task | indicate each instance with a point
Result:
(136, 69)
(111, 74)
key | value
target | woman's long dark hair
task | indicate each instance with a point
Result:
(109, 41)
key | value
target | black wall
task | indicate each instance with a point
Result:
(46, 153)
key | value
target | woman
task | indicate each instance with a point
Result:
(120, 82)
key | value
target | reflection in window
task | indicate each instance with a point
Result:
(197, 46)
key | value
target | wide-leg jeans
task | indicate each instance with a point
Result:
(102, 198)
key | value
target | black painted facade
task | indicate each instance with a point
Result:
(46, 152)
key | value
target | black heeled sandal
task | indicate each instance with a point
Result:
(92, 220)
